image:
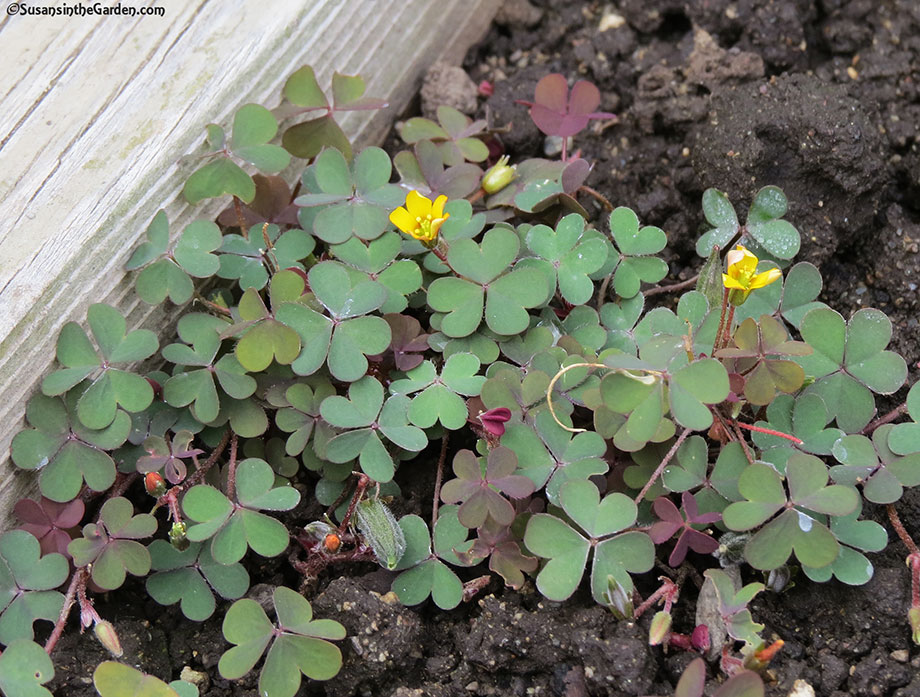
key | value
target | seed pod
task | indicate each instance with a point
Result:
(332, 543)
(381, 532)
(499, 176)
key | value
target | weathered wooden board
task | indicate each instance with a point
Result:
(97, 112)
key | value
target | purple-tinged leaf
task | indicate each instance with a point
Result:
(557, 112)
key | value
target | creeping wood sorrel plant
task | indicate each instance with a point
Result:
(480, 324)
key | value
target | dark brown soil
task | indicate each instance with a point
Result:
(820, 97)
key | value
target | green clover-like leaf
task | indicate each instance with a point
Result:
(424, 574)
(111, 544)
(487, 284)
(848, 361)
(570, 256)
(871, 463)
(636, 247)
(24, 668)
(568, 550)
(439, 397)
(355, 200)
(113, 679)
(191, 577)
(27, 583)
(234, 528)
(795, 529)
(365, 412)
(66, 452)
(299, 643)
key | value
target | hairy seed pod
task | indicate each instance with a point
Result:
(381, 532)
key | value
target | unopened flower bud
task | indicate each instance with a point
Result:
(660, 629)
(498, 176)
(107, 636)
(154, 484)
(178, 537)
(913, 615)
(619, 601)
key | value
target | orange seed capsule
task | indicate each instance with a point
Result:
(332, 543)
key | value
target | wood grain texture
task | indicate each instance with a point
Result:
(100, 122)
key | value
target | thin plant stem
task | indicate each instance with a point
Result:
(901, 530)
(721, 320)
(231, 468)
(723, 342)
(668, 591)
(238, 207)
(744, 446)
(913, 558)
(602, 291)
(363, 481)
(769, 431)
(78, 578)
(439, 477)
(899, 410)
(664, 463)
(604, 201)
(672, 288)
(199, 474)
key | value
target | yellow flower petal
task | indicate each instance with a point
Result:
(730, 282)
(437, 210)
(766, 278)
(418, 205)
(404, 220)
(437, 223)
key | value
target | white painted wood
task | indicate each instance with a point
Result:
(97, 114)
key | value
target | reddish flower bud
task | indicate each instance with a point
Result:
(699, 638)
(154, 484)
(486, 88)
(494, 420)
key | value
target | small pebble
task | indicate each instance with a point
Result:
(901, 655)
(800, 688)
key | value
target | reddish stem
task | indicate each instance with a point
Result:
(716, 347)
(664, 463)
(886, 419)
(604, 201)
(238, 207)
(439, 477)
(78, 578)
(668, 590)
(769, 431)
(363, 481)
(901, 530)
(673, 288)
(231, 468)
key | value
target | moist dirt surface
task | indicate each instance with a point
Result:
(819, 97)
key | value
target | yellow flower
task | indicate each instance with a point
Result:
(420, 218)
(742, 278)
